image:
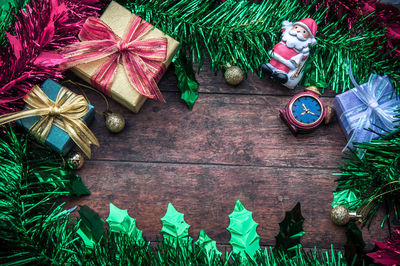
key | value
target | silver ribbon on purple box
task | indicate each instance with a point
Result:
(376, 114)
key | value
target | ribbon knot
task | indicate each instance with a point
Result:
(66, 113)
(373, 104)
(376, 114)
(122, 46)
(141, 57)
(55, 110)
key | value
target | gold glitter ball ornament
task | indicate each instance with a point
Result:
(340, 215)
(75, 160)
(115, 123)
(233, 75)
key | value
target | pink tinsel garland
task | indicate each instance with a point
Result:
(389, 251)
(45, 25)
(384, 16)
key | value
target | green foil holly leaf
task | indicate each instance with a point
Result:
(207, 246)
(186, 79)
(175, 230)
(91, 228)
(120, 222)
(76, 187)
(244, 237)
(290, 231)
(346, 198)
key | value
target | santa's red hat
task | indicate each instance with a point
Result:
(309, 24)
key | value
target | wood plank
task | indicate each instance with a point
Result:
(222, 129)
(207, 195)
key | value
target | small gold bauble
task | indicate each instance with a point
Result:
(340, 215)
(115, 123)
(329, 115)
(234, 75)
(75, 160)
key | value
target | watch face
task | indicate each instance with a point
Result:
(306, 109)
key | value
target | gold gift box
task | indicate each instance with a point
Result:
(117, 18)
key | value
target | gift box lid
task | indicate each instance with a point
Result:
(57, 139)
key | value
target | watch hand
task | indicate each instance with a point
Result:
(311, 113)
(305, 108)
(303, 113)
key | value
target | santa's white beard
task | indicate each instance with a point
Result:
(296, 41)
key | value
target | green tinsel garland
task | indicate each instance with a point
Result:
(31, 178)
(370, 183)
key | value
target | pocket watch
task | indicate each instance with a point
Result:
(305, 111)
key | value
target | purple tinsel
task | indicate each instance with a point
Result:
(45, 25)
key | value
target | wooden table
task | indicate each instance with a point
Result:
(232, 146)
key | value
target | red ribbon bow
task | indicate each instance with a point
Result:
(142, 58)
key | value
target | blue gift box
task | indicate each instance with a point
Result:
(367, 111)
(57, 139)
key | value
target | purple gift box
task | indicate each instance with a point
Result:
(368, 110)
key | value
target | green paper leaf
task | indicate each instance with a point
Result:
(119, 221)
(186, 79)
(175, 230)
(91, 228)
(76, 187)
(290, 231)
(207, 245)
(354, 248)
(345, 198)
(244, 237)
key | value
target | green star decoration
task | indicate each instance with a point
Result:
(120, 221)
(175, 230)
(244, 237)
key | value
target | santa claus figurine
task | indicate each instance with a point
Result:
(288, 56)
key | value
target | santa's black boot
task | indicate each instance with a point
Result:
(280, 77)
(266, 70)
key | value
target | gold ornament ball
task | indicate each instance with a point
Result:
(75, 160)
(340, 215)
(115, 123)
(233, 75)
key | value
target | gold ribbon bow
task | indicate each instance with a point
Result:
(66, 113)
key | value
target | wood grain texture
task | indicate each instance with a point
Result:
(222, 129)
(232, 146)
